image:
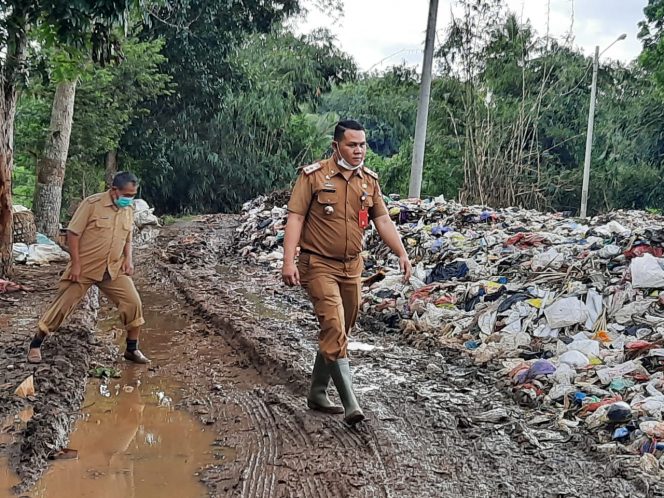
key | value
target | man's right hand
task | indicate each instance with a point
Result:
(290, 274)
(75, 272)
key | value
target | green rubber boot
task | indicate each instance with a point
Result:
(340, 372)
(320, 380)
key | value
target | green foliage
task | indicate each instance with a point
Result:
(386, 104)
(652, 35)
(107, 100)
(252, 138)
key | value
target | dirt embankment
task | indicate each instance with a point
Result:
(47, 418)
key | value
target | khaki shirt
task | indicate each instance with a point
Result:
(331, 207)
(104, 229)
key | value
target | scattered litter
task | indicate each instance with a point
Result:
(360, 346)
(44, 252)
(26, 388)
(492, 416)
(65, 454)
(105, 372)
(7, 286)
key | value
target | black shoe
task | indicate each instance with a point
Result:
(136, 357)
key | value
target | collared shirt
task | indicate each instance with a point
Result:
(104, 229)
(331, 206)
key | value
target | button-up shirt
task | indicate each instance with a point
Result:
(331, 206)
(104, 229)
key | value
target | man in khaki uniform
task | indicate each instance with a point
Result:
(99, 240)
(330, 208)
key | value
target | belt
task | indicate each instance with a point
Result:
(341, 260)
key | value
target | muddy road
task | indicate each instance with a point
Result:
(221, 411)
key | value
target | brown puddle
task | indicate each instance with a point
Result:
(131, 441)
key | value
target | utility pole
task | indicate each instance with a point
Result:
(589, 137)
(423, 104)
(591, 124)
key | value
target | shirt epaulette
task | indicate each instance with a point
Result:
(370, 173)
(307, 170)
(95, 198)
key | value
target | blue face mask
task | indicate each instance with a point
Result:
(124, 202)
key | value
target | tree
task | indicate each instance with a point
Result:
(86, 23)
(230, 136)
(651, 34)
(51, 166)
(386, 104)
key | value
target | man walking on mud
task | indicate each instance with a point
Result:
(99, 240)
(330, 208)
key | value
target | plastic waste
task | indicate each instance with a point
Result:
(575, 359)
(606, 375)
(647, 273)
(549, 259)
(609, 251)
(566, 312)
(586, 346)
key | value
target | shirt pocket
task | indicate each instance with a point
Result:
(327, 197)
(101, 224)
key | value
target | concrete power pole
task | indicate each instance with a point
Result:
(423, 104)
(589, 137)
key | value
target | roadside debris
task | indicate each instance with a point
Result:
(146, 224)
(571, 313)
(64, 454)
(7, 286)
(105, 373)
(26, 388)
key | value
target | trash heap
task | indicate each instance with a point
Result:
(146, 224)
(572, 313)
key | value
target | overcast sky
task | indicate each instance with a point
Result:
(380, 33)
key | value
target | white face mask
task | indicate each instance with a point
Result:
(345, 165)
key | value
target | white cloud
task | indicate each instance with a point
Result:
(380, 33)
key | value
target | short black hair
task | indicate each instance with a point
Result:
(124, 178)
(342, 126)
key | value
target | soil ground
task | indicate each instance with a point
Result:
(238, 348)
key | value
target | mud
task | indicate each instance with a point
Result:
(59, 380)
(131, 440)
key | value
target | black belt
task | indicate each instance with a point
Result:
(341, 260)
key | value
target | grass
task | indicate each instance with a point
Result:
(172, 220)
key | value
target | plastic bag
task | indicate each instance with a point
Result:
(574, 359)
(565, 313)
(549, 259)
(143, 214)
(594, 306)
(647, 273)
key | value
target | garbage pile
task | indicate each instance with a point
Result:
(260, 237)
(43, 252)
(572, 312)
(146, 224)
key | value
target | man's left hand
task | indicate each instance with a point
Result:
(406, 267)
(128, 268)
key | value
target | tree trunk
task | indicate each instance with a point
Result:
(111, 163)
(15, 55)
(51, 166)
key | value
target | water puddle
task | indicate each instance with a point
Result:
(131, 441)
(259, 300)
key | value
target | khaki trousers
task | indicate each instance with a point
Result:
(120, 291)
(335, 289)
